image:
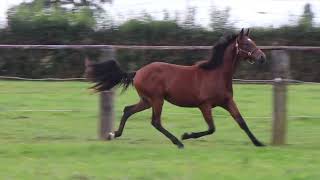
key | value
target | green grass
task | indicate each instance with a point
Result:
(64, 145)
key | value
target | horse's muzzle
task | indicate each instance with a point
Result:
(262, 59)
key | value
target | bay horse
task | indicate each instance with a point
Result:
(205, 85)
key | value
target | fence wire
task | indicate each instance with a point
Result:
(248, 81)
(40, 79)
(166, 113)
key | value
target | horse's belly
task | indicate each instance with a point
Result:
(183, 100)
(192, 99)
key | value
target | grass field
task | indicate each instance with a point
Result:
(63, 145)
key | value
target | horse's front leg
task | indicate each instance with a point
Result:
(232, 108)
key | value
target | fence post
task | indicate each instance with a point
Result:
(105, 125)
(106, 114)
(281, 71)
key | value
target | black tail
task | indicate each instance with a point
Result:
(107, 75)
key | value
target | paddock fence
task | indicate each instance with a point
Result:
(278, 53)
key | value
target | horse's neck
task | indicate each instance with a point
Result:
(229, 66)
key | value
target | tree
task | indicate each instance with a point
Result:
(96, 4)
(39, 23)
(190, 18)
(306, 19)
(220, 19)
(166, 15)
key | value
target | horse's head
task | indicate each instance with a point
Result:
(247, 48)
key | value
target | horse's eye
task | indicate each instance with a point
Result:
(247, 45)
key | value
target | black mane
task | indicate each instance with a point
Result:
(217, 52)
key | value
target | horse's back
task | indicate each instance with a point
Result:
(160, 65)
(157, 72)
(169, 81)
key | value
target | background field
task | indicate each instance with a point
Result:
(41, 144)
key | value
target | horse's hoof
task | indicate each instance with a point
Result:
(180, 146)
(259, 144)
(110, 136)
(185, 136)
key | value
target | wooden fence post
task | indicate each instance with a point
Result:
(281, 71)
(106, 102)
(279, 112)
(106, 114)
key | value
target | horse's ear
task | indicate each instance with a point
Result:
(248, 31)
(241, 33)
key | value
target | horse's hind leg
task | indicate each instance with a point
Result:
(156, 122)
(206, 112)
(129, 111)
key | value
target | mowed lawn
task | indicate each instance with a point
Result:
(38, 143)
